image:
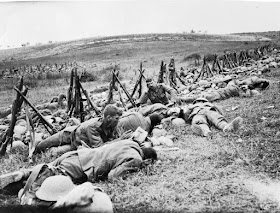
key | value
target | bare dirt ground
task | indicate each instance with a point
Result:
(218, 174)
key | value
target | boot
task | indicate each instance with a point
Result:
(234, 125)
(13, 177)
(201, 130)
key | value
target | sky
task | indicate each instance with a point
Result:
(40, 22)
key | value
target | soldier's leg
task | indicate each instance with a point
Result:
(57, 151)
(212, 96)
(216, 119)
(219, 121)
(52, 141)
(25, 173)
(13, 177)
(70, 164)
(200, 125)
(61, 138)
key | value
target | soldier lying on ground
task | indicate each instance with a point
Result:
(113, 160)
(235, 88)
(133, 120)
(201, 114)
(255, 82)
(55, 103)
(58, 194)
(91, 133)
(158, 108)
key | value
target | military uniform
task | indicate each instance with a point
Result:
(234, 90)
(90, 132)
(202, 114)
(158, 95)
(154, 108)
(231, 90)
(255, 82)
(106, 162)
(133, 120)
(111, 160)
(172, 74)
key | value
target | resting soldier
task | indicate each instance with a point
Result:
(202, 113)
(255, 82)
(113, 160)
(91, 133)
(133, 120)
(157, 93)
(234, 88)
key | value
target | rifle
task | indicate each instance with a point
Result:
(8, 137)
(70, 92)
(127, 94)
(138, 82)
(95, 108)
(44, 121)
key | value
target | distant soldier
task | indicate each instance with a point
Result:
(172, 73)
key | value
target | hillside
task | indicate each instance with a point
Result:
(110, 49)
(273, 35)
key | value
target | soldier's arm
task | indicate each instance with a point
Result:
(171, 91)
(143, 99)
(131, 165)
(94, 137)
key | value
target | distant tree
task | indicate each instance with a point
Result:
(50, 42)
(192, 31)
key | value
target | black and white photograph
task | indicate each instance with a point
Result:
(138, 106)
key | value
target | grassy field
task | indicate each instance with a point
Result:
(97, 57)
(205, 175)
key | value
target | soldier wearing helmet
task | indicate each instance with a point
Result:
(201, 114)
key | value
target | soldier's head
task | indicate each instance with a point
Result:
(155, 119)
(171, 60)
(150, 83)
(149, 153)
(111, 115)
